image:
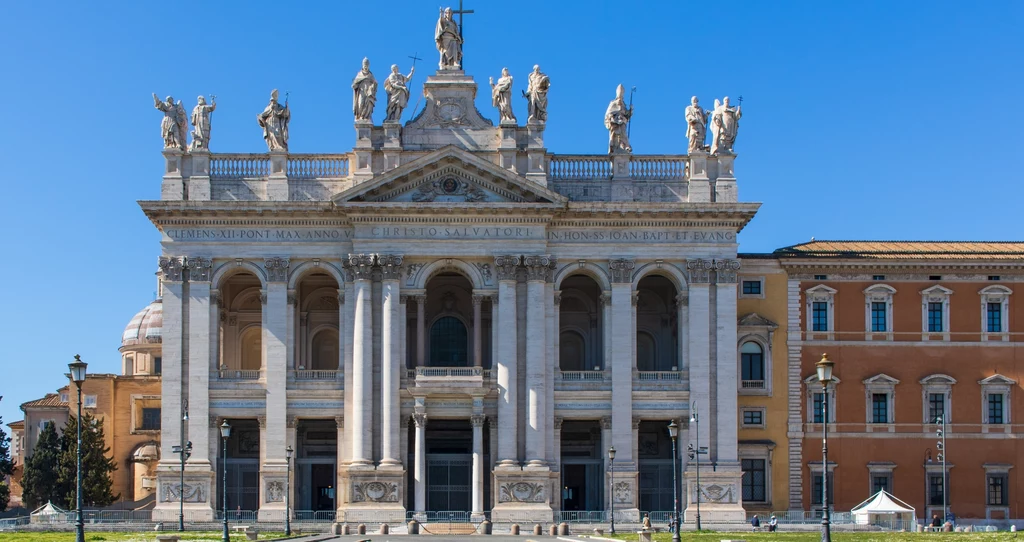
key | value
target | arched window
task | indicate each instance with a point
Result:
(448, 343)
(751, 362)
(645, 352)
(571, 352)
(251, 344)
(325, 351)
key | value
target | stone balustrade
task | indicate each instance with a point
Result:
(318, 166)
(582, 376)
(239, 166)
(239, 374)
(315, 374)
(588, 167)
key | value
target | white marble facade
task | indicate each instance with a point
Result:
(448, 305)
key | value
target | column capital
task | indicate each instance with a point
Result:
(494, 299)
(360, 266)
(477, 300)
(622, 269)
(506, 267)
(420, 419)
(683, 299)
(605, 299)
(340, 421)
(263, 297)
(636, 422)
(558, 297)
(277, 269)
(403, 299)
(293, 297)
(420, 299)
(477, 420)
(171, 267)
(215, 421)
(390, 266)
(606, 422)
(262, 420)
(699, 271)
(726, 271)
(403, 422)
(341, 296)
(539, 268)
(199, 268)
(292, 421)
(635, 298)
(558, 423)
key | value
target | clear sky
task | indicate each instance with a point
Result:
(862, 120)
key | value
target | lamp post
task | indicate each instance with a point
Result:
(673, 431)
(184, 452)
(695, 453)
(288, 494)
(611, 488)
(941, 445)
(824, 368)
(77, 369)
(225, 432)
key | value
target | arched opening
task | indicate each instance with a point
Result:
(657, 337)
(581, 325)
(751, 362)
(324, 350)
(251, 346)
(241, 323)
(449, 343)
(317, 343)
(448, 320)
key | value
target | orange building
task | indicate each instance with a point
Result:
(920, 332)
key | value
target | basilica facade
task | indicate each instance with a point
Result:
(449, 318)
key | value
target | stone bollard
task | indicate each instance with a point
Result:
(599, 532)
(538, 530)
(947, 527)
(1013, 528)
(346, 529)
(514, 530)
(252, 534)
(485, 527)
(919, 528)
(361, 529)
(414, 527)
(563, 529)
(383, 529)
(553, 531)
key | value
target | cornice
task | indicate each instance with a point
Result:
(897, 267)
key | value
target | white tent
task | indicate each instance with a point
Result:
(48, 513)
(885, 510)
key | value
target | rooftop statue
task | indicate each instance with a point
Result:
(201, 114)
(501, 96)
(616, 120)
(364, 93)
(175, 123)
(449, 41)
(725, 122)
(537, 96)
(396, 85)
(274, 121)
(696, 125)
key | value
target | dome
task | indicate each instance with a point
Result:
(146, 326)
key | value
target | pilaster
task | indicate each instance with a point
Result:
(361, 266)
(537, 269)
(505, 357)
(273, 470)
(621, 363)
(173, 185)
(391, 269)
(199, 353)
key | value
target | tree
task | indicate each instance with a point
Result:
(39, 481)
(6, 466)
(97, 467)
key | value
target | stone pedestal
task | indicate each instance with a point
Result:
(522, 496)
(368, 495)
(199, 179)
(449, 116)
(536, 170)
(362, 166)
(725, 179)
(392, 145)
(507, 145)
(699, 189)
(273, 481)
(721, 494)
(624, 492)
(277, 182)
(198, 494)
(173, 186)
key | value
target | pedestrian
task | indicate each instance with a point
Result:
(755, 523)
(773, 524)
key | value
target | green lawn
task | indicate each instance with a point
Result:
(836, 536)
(124, 537)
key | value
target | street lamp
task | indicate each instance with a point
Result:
(225, 432)
(673, 431)
(824, 368)
(184, 452)
(941, 446)
(77, 369)
(288, 494)
(696, 452)
(611, 487)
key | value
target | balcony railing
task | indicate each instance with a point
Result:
(315, 374)
(451, 372)
(317, 166)
(581, 376)
(752, 384)
(239, 374)
(588, 167)
(239, 166)
(661, 376)
(658, 167)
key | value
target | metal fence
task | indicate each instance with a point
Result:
(581, 516)
(313, 516)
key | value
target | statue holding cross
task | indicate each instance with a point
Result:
(448, 37)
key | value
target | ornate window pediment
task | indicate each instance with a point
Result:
(449, 175)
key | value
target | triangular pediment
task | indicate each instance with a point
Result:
(450, 175)
(756, 320)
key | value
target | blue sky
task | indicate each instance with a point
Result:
(862, 120)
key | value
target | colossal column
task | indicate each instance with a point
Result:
(621, 363)
(537, 269)
(478, 351)
(199, 354)
(391, 270)
(420, 463)
(171, 384)
(421, 329)
(478, 464)
(361, 266)
(505, 356)
(726, 417)
(275, 366)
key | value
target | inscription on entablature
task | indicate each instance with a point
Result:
(641, 235)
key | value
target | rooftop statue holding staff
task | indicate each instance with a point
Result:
(201, 114)
(396, 85)
(501, 96)
(364, 93)
(725, 122)
(174, 125)
(696, 125)
(537, 96)
(274, 121)
(616, 120)
(449, 41)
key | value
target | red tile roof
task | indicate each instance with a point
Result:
(50, 400)
(906, 250)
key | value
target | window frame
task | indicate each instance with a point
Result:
(880, 384)
(760, 411)
(821, 294)
(758, 279)
(997, 471)
(90, 400)
(757, 329)
(764, 479)
(813, 386)
(935, 294)
(996, 384)
(878, 293)
(763, 452)
(938, 384)
(881, 469)
(1000, 294)
(142, 424)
